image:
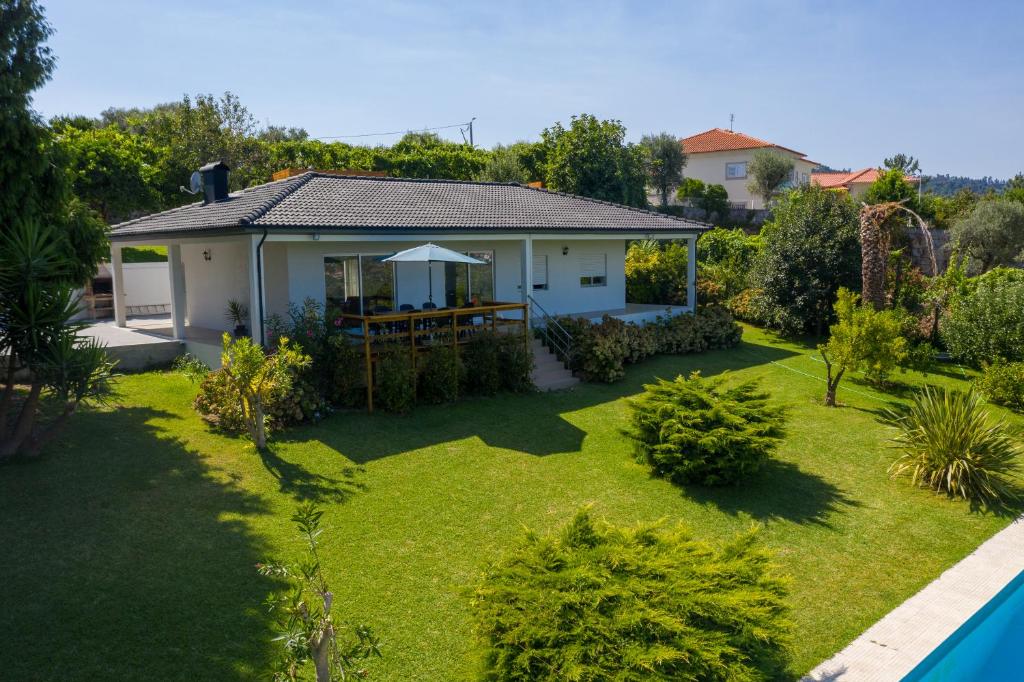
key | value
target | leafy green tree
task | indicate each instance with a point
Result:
(1014, 189)
(594, 601)
(691, 189)
(810, 250)
(904, 163)
(533, 157)
(769, 170)
(503, 166)
(309, 632)
(275, 134)
(712, 199)
(985, 324)
(664, 163)
(991, 235)
(892, 185)
(726, 257)
(113, 173)
(254, 378)
(591, 158)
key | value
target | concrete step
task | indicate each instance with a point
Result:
(549, 373)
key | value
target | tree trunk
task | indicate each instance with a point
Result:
(872, 269)
(8, 396)
(831, 382)
(322, 647)
(23, 427)
(52, 430)
(259, 426)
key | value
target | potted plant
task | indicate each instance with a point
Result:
(237, 312)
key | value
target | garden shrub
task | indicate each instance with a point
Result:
(656, 272)
(987, 324)
(701, 430)
(1003, 384)
(746, 306)
(481, 357)
(651, 602)
(439, 375)
(395, 378)
(289, 401)
(344, 365)
(950, 445)
(600, 351)
(515, 354)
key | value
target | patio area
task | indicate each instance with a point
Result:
(148, 341)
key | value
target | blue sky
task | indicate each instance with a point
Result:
(846, 83)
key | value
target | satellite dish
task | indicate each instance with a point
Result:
(195, 184)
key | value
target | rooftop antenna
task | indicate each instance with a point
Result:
(195, 184)
(731, 118)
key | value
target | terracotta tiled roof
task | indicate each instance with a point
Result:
(371, 204)
(843, 179)
(722, 140)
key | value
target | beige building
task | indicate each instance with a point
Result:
(722, 157)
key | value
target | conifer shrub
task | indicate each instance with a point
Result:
(439, 375)
(707, 431)
(598, 602)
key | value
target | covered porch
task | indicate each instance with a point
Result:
(538, 276)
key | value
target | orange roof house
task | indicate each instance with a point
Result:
(854, 182)
(720, 157)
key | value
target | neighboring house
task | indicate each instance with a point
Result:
(722, 157)
(854, 182)
(324, 236)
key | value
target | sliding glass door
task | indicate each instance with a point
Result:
(359, 284)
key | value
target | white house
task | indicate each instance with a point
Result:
(324, 236)
(721, 157)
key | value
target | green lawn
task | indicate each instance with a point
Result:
(128, 551)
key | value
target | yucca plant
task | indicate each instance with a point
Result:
(952, 446)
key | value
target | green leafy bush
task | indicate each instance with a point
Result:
(439, 375)
(600, 351)
(1003, 384)
(656, 273)
(396, 379)
(701, 430)
(987, 324)
(951, 446)
(342, 369)
(516, 356)
(599, 602)
(481, 357)
(288, 400)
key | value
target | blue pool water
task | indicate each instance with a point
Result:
(989, 646)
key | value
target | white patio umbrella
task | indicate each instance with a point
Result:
(429, 253)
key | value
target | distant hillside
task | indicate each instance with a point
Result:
(948, 185)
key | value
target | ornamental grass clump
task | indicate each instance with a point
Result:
(952, 446)
(703, 430)
(598, 602)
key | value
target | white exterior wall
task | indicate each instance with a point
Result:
(210, 284)
(710, 168)
(304, 267)
(146, 284)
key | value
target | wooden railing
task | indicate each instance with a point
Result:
(420, 330)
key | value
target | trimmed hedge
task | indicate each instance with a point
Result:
(599, 602)
(601, 350)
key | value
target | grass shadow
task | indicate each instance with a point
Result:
(780, 491)
(301, 484)
(129, 558)
(533, 423)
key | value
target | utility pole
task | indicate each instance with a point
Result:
(471, 131)
(731, 117)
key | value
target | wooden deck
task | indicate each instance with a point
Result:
(420, 330)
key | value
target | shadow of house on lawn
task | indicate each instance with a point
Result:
(531, 423)
(781, 491)
(127, 557)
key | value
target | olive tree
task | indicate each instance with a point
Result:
(991, 235)
(664, 163)
(768, 170)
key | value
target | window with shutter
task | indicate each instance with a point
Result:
(540, 272)
(593, 270)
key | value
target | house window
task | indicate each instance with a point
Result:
(357, 284)
(474, 282)
(736, 171)
(593, 270)
(540, 272)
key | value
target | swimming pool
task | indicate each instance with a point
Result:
(989, 646)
